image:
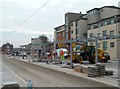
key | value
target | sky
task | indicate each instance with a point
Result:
(21, 20)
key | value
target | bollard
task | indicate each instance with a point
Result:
(30, 84)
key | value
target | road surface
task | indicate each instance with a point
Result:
(45, 78)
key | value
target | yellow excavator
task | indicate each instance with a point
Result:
(82, 53)
(87, 53)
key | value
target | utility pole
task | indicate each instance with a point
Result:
(96, 51)
(71, 53)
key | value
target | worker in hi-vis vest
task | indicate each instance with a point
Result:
(62, 55)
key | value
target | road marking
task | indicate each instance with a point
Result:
(15, 73)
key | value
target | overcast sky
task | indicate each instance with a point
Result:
(13, 13)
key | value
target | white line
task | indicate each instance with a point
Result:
(15, 73)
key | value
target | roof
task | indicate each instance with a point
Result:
(110, 7)
(71, 13)
(93, 9)
(59, 26)
(114, 7)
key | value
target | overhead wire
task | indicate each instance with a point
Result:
(34, 13)
(30, 16)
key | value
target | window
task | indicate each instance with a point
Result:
(101, 10)
(99, 25)
(71, 31)
(99, 45)
(105, 45)
(71, 24)
(112, 44)
(76, 31)
(104, 33)
(91, 26)
(91, 34)
(95, 25)
(63, 34)
(88, 27)
(66, 20)
(112, 21)
(76, 37)
(112, 33)
(99, 34)
(105, 22)
(59, 34)
(91, 44)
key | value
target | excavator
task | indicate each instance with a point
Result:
(87, 53)
(81, 53)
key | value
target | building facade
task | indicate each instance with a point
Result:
(39, 43)
(7, 48)
(106, 22)
(99, 22)
(69, 17)
(59, 35)
(79, 28)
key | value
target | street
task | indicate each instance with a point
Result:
(45, 78)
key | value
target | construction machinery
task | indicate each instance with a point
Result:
(81, 52)
(87, 53)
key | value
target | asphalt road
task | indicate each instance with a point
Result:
(45, 78)
(7, 75)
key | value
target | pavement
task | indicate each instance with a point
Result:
(111, 81)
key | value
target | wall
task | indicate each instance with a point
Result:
(108, 12)
(82, 28)
(112, 51)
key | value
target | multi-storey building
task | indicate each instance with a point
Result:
(59, 33)
(69, 17)
(7, 48)
(79, 28)
(103, 22)
(39, 43)
(99, 22)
